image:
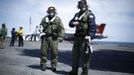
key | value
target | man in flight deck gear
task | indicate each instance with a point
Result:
(52, 31)
(84, 22)
(3, 34)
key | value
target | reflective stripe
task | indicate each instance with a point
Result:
(79, 18)
(82, 15)
(53, 19)
(47, 19)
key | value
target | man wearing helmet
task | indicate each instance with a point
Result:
(3, 34)
(84, 22)
(52, 31)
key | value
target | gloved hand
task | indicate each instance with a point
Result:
(42, 34)
(60, 39)
(88, 38)
(76, 23)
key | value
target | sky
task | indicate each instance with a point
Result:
(117, 14)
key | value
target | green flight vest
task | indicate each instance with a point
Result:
(54, 27)
(82, 28)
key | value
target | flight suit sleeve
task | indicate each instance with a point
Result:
(92, 26)
(6, 31)
(43, 24)
(71, 22)
(42, 21)
(62, 30)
